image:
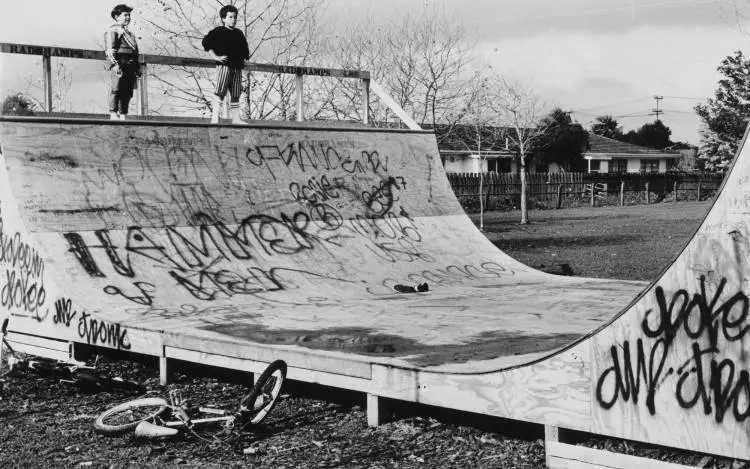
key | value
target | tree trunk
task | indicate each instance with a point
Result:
(524, 208)
(481, 196)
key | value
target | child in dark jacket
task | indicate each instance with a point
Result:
(228, 46)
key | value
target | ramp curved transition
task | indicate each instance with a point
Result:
(234, 245)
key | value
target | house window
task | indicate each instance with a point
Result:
(491, 166)
(594, 166)
(649, 166)
(542, 168)
(618, 165)
(671, 164)
(503, 166)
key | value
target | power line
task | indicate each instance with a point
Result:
(614, 104)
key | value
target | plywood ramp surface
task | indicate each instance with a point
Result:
(256, 242)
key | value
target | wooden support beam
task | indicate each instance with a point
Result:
(300, 98)
(29, 49)
(393, 105)
(365, 101)
(165, 369)
(566, 456)
(551, 435)
(47, 78)
(375, 410)
(143, 84)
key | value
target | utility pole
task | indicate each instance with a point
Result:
(657, 111)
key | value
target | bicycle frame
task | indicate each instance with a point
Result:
(178, 408)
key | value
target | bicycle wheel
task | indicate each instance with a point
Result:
(4, 357)
(6, 352)
(126, 416)
(259, 403)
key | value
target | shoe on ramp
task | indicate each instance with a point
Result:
(238, 245)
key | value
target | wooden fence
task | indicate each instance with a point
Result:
(555, 190)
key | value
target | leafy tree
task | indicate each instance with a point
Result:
(654, 135)
(725, 115)
(18, 105)
(563, 142)
(607, 126)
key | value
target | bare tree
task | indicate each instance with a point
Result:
(736, 14)
(278, 31)
(523, 112)
(62, 80)
(420, 60)
(479, 114)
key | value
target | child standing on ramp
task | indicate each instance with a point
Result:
(228, 46)
(121, 50)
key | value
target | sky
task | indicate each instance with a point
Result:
(590, 57)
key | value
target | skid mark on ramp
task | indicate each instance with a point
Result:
(364, 341)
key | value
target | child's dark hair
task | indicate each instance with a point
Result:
(227, 9)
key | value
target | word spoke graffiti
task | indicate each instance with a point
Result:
(710, 325)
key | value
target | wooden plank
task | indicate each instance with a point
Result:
(47, 80)
(551, 435)
(564, 456)
(393, 105)
(300, 95)
(40, 351)
(365, 83)
(253, 366)
(28, 49)
(376, 410)
(42, 342)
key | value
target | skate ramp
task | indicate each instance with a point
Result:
(234, 245)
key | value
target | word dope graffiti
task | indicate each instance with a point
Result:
(718, 384)
(22, 274)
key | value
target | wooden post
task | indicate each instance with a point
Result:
(143, 95)
(593, 188)
(648, 195)
(300, 103)
(375, 410)
(674, 191)
(622, 193)
(366, 101)
(699, 191)
(165, 369)
(47, 79)
(551, 433)
(559, 195)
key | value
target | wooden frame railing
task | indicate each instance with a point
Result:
(47, 52)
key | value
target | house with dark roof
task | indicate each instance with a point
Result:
(606, 155)
(474, 149)
(470, 149)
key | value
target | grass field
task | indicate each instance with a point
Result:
(631, 242)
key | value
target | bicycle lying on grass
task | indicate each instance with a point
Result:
(65, 372)
(154, 417)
